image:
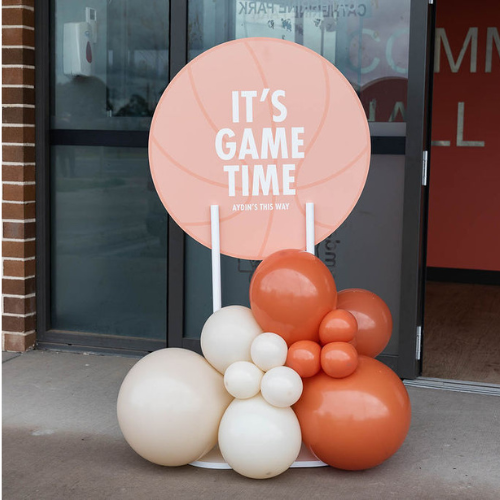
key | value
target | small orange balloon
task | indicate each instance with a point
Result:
(338, 325)
(290, 293)
(356, 422)
(304, 357)
(373, 317)
(339, 359)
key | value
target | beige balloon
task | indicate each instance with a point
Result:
(227, 336)
(259, 440)
(170, 405)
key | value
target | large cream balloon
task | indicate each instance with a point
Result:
(227, 336)
(259, 440)
(170, 406)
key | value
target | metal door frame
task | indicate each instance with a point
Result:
(407, 362)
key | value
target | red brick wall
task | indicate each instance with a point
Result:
(18, 174)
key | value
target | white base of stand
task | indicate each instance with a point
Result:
(214, 460)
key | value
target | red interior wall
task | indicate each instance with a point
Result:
(464, 205)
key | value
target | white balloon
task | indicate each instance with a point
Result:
(170, 405)
(259, 440)
(227, 336)
(269, 350)
(242, 379)
(281, 386)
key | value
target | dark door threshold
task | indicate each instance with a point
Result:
(454, 385)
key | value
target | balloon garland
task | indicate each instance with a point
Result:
(297, 366)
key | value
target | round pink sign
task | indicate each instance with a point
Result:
(260, 127)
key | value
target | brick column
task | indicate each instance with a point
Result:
(18, 174)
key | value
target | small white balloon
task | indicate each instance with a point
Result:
(259, 440)
(281, 386)
(242, 379)
(227, 336)
(268, 351)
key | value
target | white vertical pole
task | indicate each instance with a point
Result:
(310, 227)
(216, 278)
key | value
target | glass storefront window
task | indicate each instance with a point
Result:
(367, 40)
(109, 67)
(109, 243)
(108, 74)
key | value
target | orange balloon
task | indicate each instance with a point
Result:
(357, 422)
(339, 359)
(338, 325)
(373, 317)
(290, 293)
(304, 357)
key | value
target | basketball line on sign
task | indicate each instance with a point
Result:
(207, 118)
(185, 170)
(198, 100)
(330, 227)
(273, 126)
(204, 111)
(169, 210)
(321, 123)
(264, 80)
(340, 172)
(315, 136)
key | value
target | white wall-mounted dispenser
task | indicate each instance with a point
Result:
(78, 45)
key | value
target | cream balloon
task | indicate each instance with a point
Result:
(269, 350)
(281, 386)
(227, 336)
(170, 405)
(242, 379)
(257, 439)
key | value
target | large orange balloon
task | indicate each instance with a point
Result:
(356, 422)
(373, 317)
(290, 293)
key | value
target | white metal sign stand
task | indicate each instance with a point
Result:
(214, 459)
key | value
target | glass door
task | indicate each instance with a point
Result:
(382, 49)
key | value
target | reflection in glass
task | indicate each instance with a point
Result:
(127, 70)
(108, 243)
(366, 40)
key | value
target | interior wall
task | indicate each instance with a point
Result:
(464, 204)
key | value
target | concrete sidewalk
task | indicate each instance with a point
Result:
(61, 440)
